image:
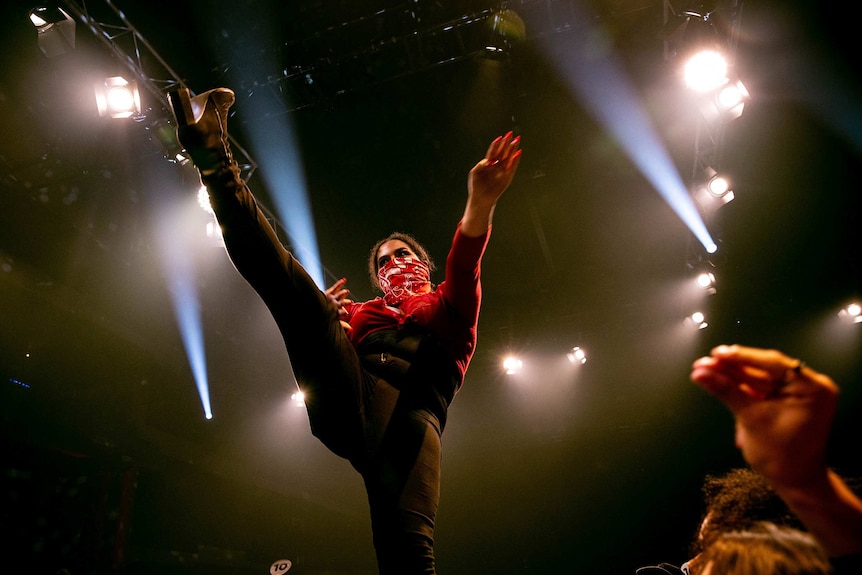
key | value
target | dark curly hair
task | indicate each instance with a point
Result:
(736, 501)
(407, 239)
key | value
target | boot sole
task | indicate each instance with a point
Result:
(181, 105)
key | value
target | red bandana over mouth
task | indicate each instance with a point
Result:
(401, 278)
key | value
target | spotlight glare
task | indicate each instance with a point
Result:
(577, 355)
(705, 280)
(512, 365)
(729, 97)
(697, 319)
(718, 186)
(705, 71)
(298, 398)
(118, 98)
(851, 313)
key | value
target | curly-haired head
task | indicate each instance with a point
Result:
(418, 248)
(736, 501)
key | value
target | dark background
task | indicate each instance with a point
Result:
(109, 463)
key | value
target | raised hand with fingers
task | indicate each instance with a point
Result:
(784, 412)
(487, 181)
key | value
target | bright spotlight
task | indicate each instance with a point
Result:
(705, 280)
(714, 192)
(851, 313)
(512, 365)
(118, 98)
(718, 186)
(705, 71)
(697, 319)
(724, 103)
(731, 99)
(298, 398)
(577, 356)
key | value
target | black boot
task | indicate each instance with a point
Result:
(202, 127)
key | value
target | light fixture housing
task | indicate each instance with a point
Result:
(55, 30)
(851, 313)
(118, 98)
(697, 320)
(713, 190)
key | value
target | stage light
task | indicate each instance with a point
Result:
(298, 398)
(118, 98)
(851, 313)
(577, 356)
(705, 71)
(725, 102)
(512, 365)
(703, 272)
(706, 281)
(718, 186)
(55, 30)
(506, 26)
(697, 319)
(721, 94)
(731, 98)
(713, 191)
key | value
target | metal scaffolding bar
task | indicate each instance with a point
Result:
(157, 78)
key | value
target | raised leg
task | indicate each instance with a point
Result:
(202, 126)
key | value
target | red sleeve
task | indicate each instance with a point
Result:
(462, 289)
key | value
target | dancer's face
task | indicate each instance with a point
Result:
(393, 249)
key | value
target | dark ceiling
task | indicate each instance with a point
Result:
(112, 466)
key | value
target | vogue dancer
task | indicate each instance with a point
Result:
(377, 376)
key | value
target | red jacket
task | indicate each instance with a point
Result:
(450, 311)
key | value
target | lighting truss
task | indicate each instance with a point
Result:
(354, 54)
(156, 77)
(709, 131)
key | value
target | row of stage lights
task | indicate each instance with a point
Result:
(512, 364)
(721, 99)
